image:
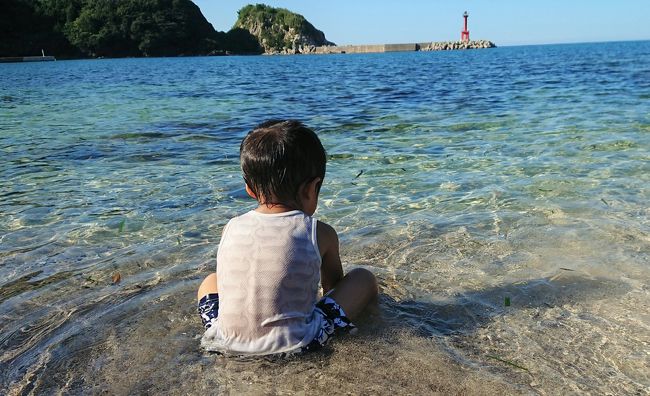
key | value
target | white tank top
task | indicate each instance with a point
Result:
(268, 275)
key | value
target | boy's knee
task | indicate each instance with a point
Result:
(362, 273)
(210, 280)
(208, 286)
(364, 277)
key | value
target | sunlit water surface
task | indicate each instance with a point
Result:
(464, 180)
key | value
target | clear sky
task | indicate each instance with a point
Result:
(505, 22)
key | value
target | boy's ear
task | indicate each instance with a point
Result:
(313, 187)
(250, 192)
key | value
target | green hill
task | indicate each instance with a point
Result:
(26, 29)
(140, 28)
(279, 30)
(115, 28)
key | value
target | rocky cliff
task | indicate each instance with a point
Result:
(280, 31)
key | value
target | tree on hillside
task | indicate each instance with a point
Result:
(26, 29)
(141, 27)
(110, 28)
(241, 41)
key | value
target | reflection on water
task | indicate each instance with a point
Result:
(503, 209)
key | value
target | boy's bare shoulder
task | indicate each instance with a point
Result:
(326, 229)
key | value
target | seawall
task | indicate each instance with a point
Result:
(410, 47)
(27, 59)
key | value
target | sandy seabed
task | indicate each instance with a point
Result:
(436, 328)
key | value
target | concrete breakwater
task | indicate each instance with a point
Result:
(27, 59)
(378, 48)
(455, 45)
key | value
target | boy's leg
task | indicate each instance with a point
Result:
(345, 302)
(353, 293)
(208, 301)
(208, 286)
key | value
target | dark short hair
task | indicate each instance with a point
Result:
(278, 156)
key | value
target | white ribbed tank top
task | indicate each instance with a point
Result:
(268, 275)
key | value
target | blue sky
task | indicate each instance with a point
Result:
(506, 22)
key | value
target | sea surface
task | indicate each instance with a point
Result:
(501, 196)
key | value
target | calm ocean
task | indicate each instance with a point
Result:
(501, 197)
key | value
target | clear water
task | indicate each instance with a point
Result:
(461, 179)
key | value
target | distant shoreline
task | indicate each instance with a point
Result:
(342, 46)
(18, 59)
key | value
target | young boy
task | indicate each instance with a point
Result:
(263, 298)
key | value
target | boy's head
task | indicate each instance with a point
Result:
(278, 157)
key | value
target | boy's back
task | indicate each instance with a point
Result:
(268, 278)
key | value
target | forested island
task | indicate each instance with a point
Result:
(279, 30)
(143, 28)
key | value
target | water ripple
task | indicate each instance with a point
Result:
(459, 178)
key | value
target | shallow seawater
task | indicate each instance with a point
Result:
(500, 196)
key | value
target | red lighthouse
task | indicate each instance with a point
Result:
(464, 35)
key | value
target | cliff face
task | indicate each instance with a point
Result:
(279, 30)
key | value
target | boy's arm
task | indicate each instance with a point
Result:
(331, 270)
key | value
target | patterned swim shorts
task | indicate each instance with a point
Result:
(209, 309)
(333, 319)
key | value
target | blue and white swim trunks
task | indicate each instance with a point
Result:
(332, 317)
